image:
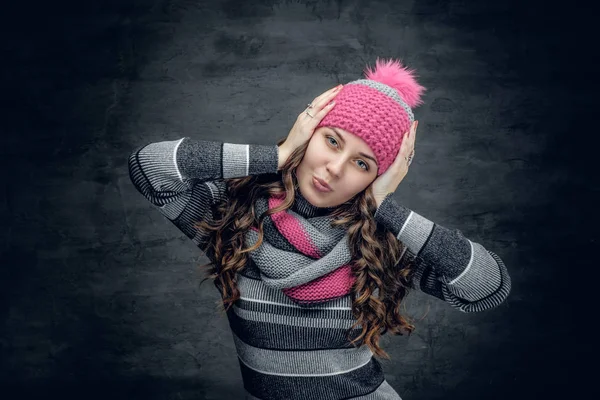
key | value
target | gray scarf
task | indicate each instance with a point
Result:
(301, 253)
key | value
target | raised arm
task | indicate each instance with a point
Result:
(448, 265)
(184, 177)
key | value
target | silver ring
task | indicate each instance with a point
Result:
(410, 157)
(307, 113)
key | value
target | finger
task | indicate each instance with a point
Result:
(405, 150)
(318, 104)
(323, 99)
(414, 130)
(407, 142)
(310, 115)
(326, 93)
(317, 116)
(414, 135)
(411, 136)
(323, 112)
(320, 109)
(325, 105)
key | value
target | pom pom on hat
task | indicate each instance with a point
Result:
(395, 75)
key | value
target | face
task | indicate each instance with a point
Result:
(344, 161)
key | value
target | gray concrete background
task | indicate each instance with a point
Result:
(99, 294)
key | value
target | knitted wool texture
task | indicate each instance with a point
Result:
(378, 109)
(332, 285)
(310, 261)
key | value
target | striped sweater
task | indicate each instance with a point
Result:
(287, 351)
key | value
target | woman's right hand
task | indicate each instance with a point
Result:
(305, 126)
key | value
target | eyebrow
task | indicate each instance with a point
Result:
(361, 153)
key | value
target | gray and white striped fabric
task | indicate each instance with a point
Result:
(288, 351)
(450, 266)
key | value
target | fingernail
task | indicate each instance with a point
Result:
(331, 104)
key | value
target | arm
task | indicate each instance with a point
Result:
(448, 265)
(183, 178)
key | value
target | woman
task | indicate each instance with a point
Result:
(311, 254)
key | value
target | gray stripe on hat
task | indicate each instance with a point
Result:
(388, 91)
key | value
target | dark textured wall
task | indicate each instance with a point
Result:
(99, 294)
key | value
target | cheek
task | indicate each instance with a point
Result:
(361, 180)
(313, 154)
(358, 183)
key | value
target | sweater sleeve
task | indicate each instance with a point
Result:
(447, 264)
(183, 178)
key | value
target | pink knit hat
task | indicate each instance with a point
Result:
(378, 109)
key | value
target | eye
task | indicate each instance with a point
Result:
(366, 168)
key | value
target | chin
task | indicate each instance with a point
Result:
(310, 195)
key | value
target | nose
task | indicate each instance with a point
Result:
(335, 165)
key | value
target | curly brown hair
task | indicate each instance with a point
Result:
(381, 284)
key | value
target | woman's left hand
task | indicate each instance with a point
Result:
(388, 181)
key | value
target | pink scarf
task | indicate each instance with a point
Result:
(335, 282)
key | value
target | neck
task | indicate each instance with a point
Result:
(306, 209)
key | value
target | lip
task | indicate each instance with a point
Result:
(321, 185)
